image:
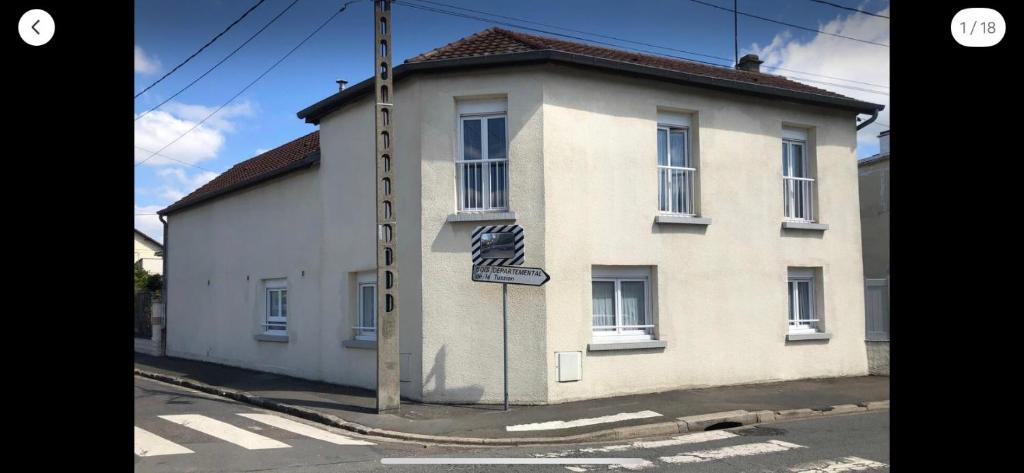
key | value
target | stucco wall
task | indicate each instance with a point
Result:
(222, 251)
(720, 293)
(462, 331)
(874, 218)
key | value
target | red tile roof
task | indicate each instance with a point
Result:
(497, 41)
(253, 170)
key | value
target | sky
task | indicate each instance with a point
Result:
(264, 116)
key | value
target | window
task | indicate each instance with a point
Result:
(676, 170)
(482, 161)
(366, 328)
(802, 311)
(621, 305)
(277, 307)
(797, 183)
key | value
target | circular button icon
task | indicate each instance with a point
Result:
(36, 27)
(978, 27)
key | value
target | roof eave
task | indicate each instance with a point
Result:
(315, 112)
(307, 161)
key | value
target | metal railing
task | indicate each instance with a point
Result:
(803, 325)
(483, 185)
(675, 190)
(365, 332)
(798, 198)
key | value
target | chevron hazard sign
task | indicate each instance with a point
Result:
(498, 245)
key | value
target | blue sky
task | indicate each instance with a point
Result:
(166, 32)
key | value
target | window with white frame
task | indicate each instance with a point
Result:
(366, 328)
(276, 321)
(797, 180)
(621, 304)
(676, 169)
(803, 313)
(482, 161)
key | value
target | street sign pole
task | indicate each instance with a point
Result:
(504, 316)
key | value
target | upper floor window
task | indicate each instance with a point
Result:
(276, 306)
(797, 178)
(482, 161)
(676, 169)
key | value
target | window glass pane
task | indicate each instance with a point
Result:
(792, 308)
(633, 310)
(496, 138)
(662, 147)
(799, 170)
(678, 148)
(284, 304)
(471, 139)
(275, 304)
(785, 159)
(369, 305)
(603, 303)
(804, 293)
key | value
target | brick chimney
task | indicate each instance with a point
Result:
(749, 63)
(883, 142)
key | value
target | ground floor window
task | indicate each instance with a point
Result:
(621, 304)
(367, 321)
(803, 316)
(277, 307)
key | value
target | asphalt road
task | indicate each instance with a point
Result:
(201, 432)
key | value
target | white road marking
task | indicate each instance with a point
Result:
(304, 429)
(148, 444)
(771, 446)
(225, 431)
(577, 469)
(697, 437)
(563, 424)
(836, 466)
(509, 461)
(634, 467)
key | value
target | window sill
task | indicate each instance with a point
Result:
(820, 227)
(615, 346)
(360, 344)
(266, 337)
(482, 217)
(796, 337)
(681, 220)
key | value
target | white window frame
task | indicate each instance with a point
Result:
(689, 172)
(486, 164)
(275, 324)
(792, 137)
(365, 332)
(624, 333)
(793, 319)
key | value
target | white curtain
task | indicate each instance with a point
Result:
(603, 303)
(633, 303)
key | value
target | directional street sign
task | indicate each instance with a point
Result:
(510, 275)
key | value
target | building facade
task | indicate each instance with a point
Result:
(696, 234)
(148, 253)
(874, 214)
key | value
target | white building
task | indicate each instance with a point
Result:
(700, 225)
(148, 253)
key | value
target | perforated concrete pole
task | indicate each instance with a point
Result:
(388, 384)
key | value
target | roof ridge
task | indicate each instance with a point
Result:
(519, 36)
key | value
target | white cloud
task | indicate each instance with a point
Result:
(145, 64)
(159, 127)
(838, 57)
(148, 222)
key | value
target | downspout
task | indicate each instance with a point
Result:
(874, 116)
(163, 290)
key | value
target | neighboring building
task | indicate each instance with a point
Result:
(684, 250)
(874, 222)
(149, 253)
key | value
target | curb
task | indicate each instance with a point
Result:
(681, 425)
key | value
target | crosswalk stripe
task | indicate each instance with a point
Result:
(566, 424)
(837, 466)
(304, 429)
(771, 446)
(148, 444)
(225, 431)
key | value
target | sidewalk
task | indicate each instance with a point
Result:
(353, 408)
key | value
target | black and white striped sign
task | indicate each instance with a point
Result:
(498, 245)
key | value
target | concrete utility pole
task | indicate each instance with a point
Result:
(388, 383)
